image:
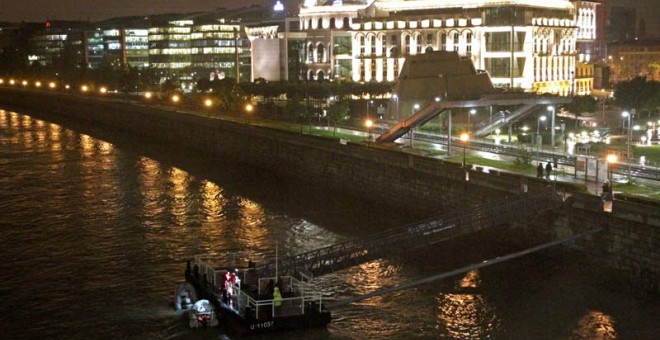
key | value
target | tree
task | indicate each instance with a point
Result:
(638, 94)
(337, 112)
(229, 94)
(581, 104)
(295, 109)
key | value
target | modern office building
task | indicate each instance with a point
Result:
(216, 48)
(58, 39)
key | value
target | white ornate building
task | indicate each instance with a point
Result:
(528, 44)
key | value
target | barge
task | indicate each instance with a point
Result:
(250, 300)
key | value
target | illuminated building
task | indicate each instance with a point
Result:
(215, 48)
(524, 44)
(58, 39)
(635, 58)
(169, 46)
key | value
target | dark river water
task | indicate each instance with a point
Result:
(96, 227)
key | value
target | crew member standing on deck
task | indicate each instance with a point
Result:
(277, 300)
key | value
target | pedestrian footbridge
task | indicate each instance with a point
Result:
(525, 103)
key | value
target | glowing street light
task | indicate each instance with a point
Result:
(611, 160)
(103, 90)
(67, 86)
(12, 82)
(2, 81)
(471, 113)
(24, 83)
(148, 95)
(37, 84)
(84, 88)
(52, 85)
(175, 98)
(368, 124)
(626, 114)
(464, 137)
(208, 102)
(538, 123)
(552, 126)
(396, 98)
(249, 107)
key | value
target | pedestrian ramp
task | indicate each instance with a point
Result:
(419, 118)
(397, 240)
(504, 118)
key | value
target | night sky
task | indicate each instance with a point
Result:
(94, 10)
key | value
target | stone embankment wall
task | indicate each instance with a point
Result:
(628, 242)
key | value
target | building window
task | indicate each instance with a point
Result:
(320, 53)
(456, 40)
(468, 44)
(372, 42)
(407, 43)
(498, 67)
(362, 43)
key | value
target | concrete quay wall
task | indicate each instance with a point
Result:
(628, 242)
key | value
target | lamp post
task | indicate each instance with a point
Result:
(611, 160)
(472, 112)
(542, 118)
(396, 98)
(552, 126)
(368, 124)
(626, 114)
(464, 138)
(412, 135)
(369, 102)
(538, 123)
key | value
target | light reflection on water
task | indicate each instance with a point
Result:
(95, 235)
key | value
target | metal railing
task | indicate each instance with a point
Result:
(353, 252)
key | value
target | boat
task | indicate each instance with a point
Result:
(250, 299)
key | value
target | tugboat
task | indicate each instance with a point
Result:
(250, 300)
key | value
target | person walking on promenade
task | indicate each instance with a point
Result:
(539, 170)
(548, 169)
(607, 191)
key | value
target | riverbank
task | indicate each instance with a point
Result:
(382, 175)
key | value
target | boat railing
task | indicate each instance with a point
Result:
(300, 295)
(289, 306)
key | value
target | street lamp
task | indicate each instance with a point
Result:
(396, 98)
(538, 123)
(175, 98)
(368, 124)
(611, 160)
(472, 112)
(552, 126)
(626, 114)
(369, 102)
(464, 138)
